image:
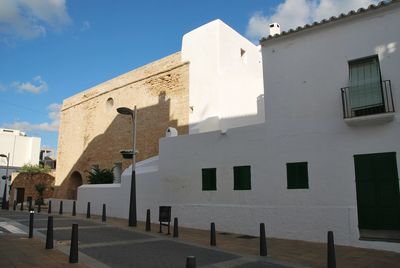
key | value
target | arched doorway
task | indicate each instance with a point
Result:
(75, 180)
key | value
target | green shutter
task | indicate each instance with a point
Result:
(241, 178)
(297, 175)
(209, 179)
(378, 195)
(365, 83)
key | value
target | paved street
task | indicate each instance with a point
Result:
(106, 245)
(115, 245)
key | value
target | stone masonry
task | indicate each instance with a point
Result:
(92, 132)
(27, 181)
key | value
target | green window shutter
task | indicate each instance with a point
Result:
(241, 178)
(297, 175)
(209, 179)
(365, 83)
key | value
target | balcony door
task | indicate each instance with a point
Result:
(365, 86)
(377, 185)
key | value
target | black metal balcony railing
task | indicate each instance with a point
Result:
(386, 106)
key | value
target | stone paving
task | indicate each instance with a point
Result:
(115, 245)
(17, 251)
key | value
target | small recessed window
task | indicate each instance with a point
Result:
(110, 103)
(241, 178)
(297, 175)
(209, 179)
(243, 55)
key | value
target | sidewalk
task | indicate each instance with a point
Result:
(301, 252)
(19, 251)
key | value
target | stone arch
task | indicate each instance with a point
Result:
(75, 180)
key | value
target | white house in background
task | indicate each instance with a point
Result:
(22, 149)
(326, 157)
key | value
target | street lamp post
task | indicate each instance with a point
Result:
(132, 199)
(3, 204)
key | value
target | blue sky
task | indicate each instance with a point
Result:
(53, 49)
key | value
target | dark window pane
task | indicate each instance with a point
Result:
(297, 175)
(209, 179)
(242, 178)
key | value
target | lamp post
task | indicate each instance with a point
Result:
(132, 199)
(3, 204)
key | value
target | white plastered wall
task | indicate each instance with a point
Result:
(23, 150)
(225, 78)
(303, 74)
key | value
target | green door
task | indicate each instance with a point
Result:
(378, 198)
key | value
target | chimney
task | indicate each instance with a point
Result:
(274, 29)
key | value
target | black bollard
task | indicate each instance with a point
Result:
(74, 208)
(15, 205)
(22, 206)
(61, 208)
(190, 262)
(263, 240)
(148, 225)
(103, 215)
(73, 252)
(31, 213)
(39, 208)
(213, 236)
(88, 210)
(331, 251)
(49, 234)
(49, 210)
(176, 231)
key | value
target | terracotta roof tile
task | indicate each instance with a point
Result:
(331, 19)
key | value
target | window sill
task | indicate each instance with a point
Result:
(370, 119)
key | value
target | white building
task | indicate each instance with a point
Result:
(225, 78)
(325, 158)
(21, 150)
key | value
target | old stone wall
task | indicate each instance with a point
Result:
(28, 182)
(92, 132)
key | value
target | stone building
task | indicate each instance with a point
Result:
(24, 186)
(196, 90)
(92, 132)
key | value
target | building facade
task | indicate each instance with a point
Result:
(21, 150)
(185, 91)
(92, 132)
(326, 157)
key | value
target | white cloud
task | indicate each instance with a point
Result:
(32, 18)
(52, 126)
(293, 13)
(54, 113)
(2, 87)
(38, 85)
(85, 26)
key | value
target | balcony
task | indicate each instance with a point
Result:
(368, 103)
